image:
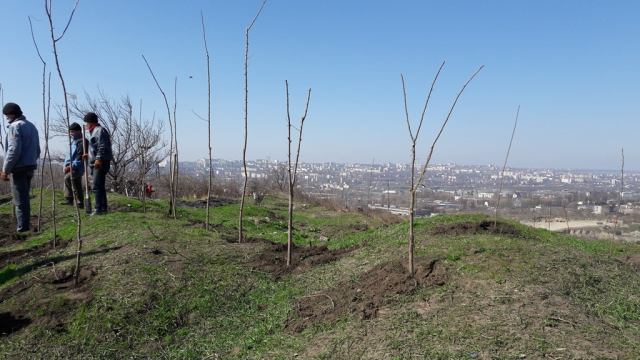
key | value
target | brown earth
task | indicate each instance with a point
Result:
(272, 259)
(54, 294)
(374, 290)
(62, 298)
(202, 204)
(482, 227)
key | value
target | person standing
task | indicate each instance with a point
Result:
(74, 169)
(100, 156)
(21, 154)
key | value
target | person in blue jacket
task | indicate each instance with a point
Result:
(100, 156)
(74, 169)
(21, 154)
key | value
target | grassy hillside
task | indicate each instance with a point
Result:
(155, 287)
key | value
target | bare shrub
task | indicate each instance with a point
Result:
(131, 139)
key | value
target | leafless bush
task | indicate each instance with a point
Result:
(325, 202)
(195, 187)
(131, 138)
(278, 178)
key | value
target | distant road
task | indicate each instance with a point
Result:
(573, 224)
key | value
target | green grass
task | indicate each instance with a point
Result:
(169, 289)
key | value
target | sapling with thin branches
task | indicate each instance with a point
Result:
(293, 172)
(209, 185)
(615, 223)
(414, 138)
(54, 41)
(246, 116)
(143, 173)
(176, 167)
(172, 199)
(45, 115)
(495, 220)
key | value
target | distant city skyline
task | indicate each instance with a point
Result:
(571, 67)
(418, 164)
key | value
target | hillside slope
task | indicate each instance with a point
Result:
(155, 287)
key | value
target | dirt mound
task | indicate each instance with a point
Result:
(375, 289)
(273, 258)
(482, 227)
(202, 204)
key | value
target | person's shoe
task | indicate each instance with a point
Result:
(97, 213)
(66, 202)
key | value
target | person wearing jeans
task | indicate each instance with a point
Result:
(21, 153)
(100, 156)
(74, 169)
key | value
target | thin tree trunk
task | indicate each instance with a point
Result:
(246, 116)
(166, 102)
(495, 221)
(45, 116)
(53, 200)
(143, 175)
(204, 36)
(176, 165)
(615, 224)
(292, 174)
(54, 41)
(414, 138)
(290, 206)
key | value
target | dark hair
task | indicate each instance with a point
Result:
(75, 127)
(12, 109)
(91, 117)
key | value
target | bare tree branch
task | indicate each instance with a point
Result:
(416, 185)
(495, 221)
(246, 116)
(69, 22)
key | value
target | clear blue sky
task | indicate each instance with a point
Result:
(572, 67)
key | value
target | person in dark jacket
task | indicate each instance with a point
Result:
(100, 156)
(74, 169)
(21, 153)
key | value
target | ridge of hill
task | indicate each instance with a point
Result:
(157, 287)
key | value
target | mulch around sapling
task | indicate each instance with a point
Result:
(272, 259)
(374, 290)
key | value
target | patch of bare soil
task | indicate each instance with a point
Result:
(202, 204)
(8, 235)
(7, 229)
(375, 289)
(272, 259)
(633, 261)
(57, 299)
(481, 227)
(20, 256)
